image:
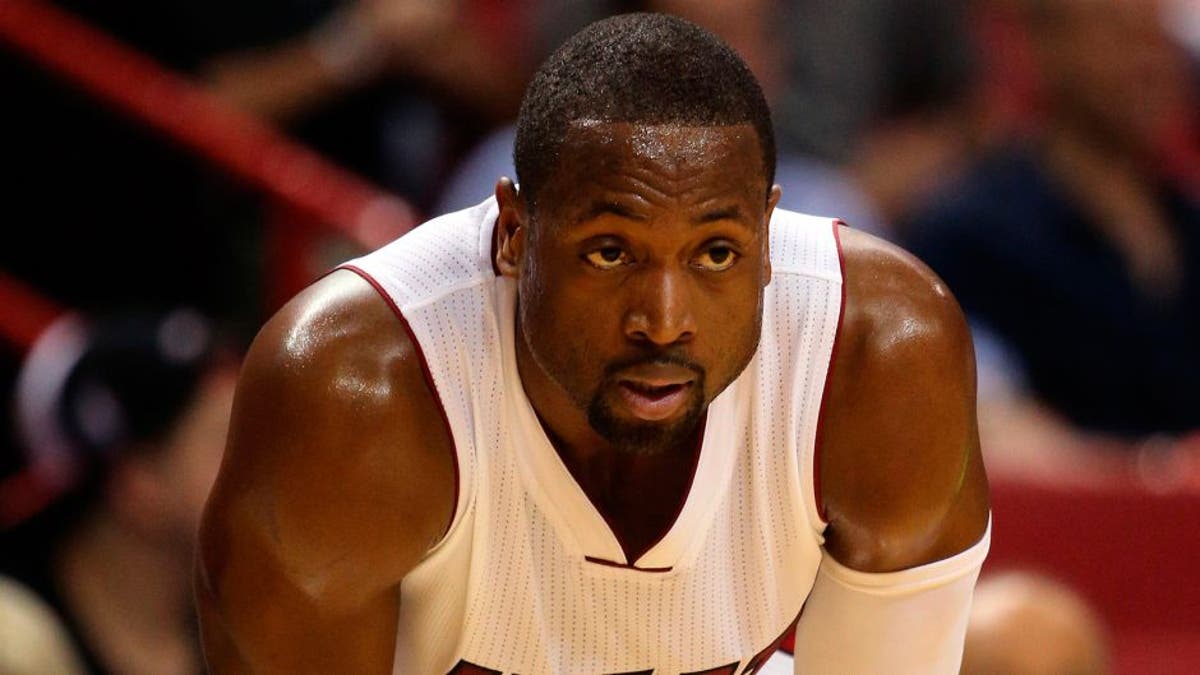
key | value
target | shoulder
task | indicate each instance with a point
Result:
(336, 456)
(337, 344)
(902, 478)
(897, 310)
(336, 481)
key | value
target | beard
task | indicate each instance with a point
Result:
(640, 437)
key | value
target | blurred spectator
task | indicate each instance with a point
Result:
(123, 422)
(1073, 253)
(1182, 20)
(1026, 624)
(852, 63)
(104, 214)
(872, 114)
(878, 105)
(389, 88)
(395, 89)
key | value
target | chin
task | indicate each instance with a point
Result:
(640, 437)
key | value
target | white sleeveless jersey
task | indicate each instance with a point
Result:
(529, 578)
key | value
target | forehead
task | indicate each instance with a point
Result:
(664, 165)
(675, 145)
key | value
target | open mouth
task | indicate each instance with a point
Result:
(653, 402)
(652, 391)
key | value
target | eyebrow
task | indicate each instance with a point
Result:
(731, 212)
(613, 208)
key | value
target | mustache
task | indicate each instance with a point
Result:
(659, 359)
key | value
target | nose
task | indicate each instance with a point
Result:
(661, 308)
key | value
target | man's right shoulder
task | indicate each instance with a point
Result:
(336, 336)
(338, 478)
(333, 410)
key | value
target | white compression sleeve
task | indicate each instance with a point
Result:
(911, 621)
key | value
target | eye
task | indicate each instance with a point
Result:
(608, 257)
(717, 258)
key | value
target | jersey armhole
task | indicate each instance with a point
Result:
(459, 493)
(817, 506)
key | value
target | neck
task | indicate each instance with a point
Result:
(130, 597)
(638, 495)
(564, 422)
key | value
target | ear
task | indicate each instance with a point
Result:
(773, 196)
(511, 228)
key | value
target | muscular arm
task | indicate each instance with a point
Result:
(903, 484)
(902, 479)
(338, 477)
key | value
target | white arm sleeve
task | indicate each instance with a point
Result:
(911, 621)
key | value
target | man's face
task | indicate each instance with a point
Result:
(641, 283)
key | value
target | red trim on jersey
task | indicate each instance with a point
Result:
(611, 563)
(424, 371)
(787, 641)
(837, 238)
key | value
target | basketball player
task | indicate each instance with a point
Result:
(625, 417)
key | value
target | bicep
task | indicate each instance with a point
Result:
(289, 580)
(260, 614)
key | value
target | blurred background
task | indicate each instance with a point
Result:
(177, 169)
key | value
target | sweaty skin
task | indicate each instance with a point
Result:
(684, 284)
(640, 271)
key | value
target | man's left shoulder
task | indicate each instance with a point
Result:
(897, 307)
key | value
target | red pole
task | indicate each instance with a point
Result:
(26, 314)
(188, 114)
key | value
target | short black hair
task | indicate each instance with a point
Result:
(641, 68)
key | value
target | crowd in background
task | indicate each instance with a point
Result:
(1042, 156)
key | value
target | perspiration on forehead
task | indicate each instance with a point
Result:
(645, 69)
(602, 162)
(649, 145)
(669, 144)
